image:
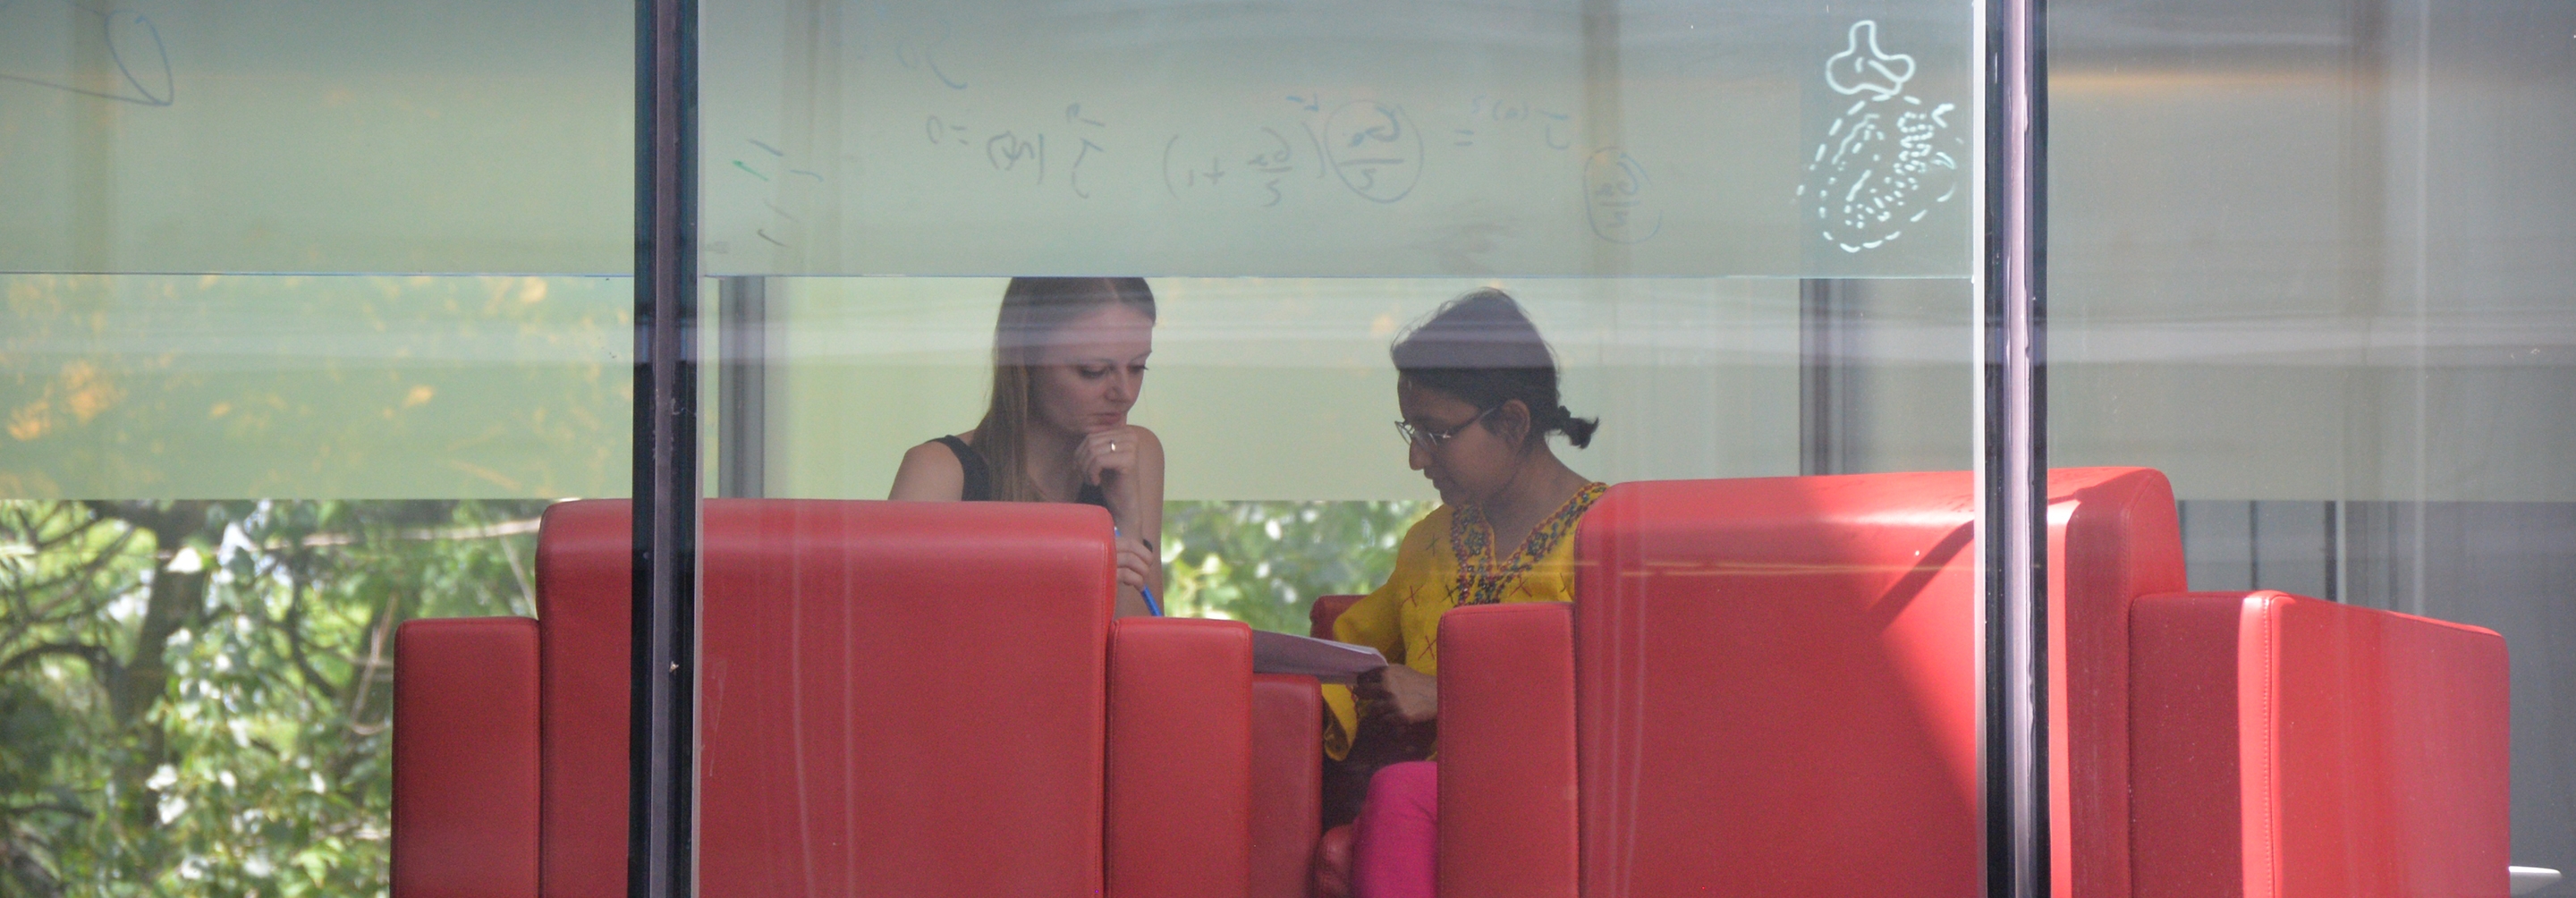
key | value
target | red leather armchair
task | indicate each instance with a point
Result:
(1769, 687)
(897, 698)
(2287, 747)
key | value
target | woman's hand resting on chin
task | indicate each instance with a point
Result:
(1109, 458)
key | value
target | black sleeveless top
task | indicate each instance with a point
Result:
(979, 476)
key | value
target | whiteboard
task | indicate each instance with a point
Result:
(265, 136)
(1349, 139)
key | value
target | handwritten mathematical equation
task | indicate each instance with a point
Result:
(1371, 148)
(1886, 163)
(1491, 116)
(1024, 152)
(1617, 198)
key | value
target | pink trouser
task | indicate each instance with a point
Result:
(1395, 843)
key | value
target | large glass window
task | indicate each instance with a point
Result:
(2311, 260)
(1694, 205)
(306, 314)
(1263, 319)
(1748, 233)
(1271, 397)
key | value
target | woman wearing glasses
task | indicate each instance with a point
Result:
(1068, 362)
(1478, 390)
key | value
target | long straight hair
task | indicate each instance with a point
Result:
(1033, 309)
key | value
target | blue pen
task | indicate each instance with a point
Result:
(1150, 606)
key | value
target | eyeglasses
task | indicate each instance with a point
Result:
(1434, 439)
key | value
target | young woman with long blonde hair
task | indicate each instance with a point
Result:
(1068, 363)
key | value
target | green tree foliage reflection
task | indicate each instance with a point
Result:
(1264, 563)
(314, 387)
(194, 696)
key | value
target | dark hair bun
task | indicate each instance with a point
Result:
(1578, 431)
(1483, 349)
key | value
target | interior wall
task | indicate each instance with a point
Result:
(2315, 250)
(2311, 258)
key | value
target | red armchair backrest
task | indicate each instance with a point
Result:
(585, 573)
(1326, 610)
(901, 698)
(2289, 747)
(1777, 682)
(465, 772)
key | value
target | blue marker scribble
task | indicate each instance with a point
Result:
(1616, 199)
(1073, 176)
(1376, 151)
(910, 58)
(156, 63)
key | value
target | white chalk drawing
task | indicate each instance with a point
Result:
(1889, 158)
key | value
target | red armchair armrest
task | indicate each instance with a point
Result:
(1287, 782)
(1326, 610)
(1507, 776)
(1179, 789)
(465, 758)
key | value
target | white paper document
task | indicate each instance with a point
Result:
(1323, 659)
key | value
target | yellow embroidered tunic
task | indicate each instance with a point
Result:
(1446, 561)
